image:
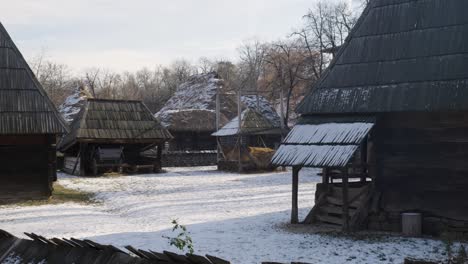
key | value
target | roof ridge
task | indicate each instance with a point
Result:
(38, 85)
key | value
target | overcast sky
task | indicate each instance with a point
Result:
(131, 34)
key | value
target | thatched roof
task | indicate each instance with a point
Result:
(72, 105)
(252, 123)
(193, 120)
(25, 108)
(114, 121)
(193, 106)
(405, 55)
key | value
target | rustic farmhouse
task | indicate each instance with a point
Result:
(112, 134)
(190, 116)
(249, 143)
(388, 121)
(29, 125)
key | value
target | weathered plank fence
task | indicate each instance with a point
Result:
(39, 250)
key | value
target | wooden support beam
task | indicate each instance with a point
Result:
(345, 200)
(295, 190)
(83, 158)
(364, 159)
(325, 176)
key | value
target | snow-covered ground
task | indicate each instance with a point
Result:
(242, 218)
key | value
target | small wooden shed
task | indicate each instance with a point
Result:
(111, 135)
(249, 143)
(388, 122)
(29, 125)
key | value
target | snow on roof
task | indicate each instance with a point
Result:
(328, 133)
(325, 144)
(198, 94)
(263, 107)
(73, 104)
(252, 122)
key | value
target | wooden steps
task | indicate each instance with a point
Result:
(339, 202)
(330, 219)
(330, 208)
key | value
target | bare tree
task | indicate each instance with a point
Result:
(325, 29)
(288, 69)
(251, 65)
(54, 77)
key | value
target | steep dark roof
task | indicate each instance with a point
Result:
(403, 55)
(114, 120)
(24, 105)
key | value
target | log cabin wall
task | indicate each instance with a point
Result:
(422, 161)
(28, 167)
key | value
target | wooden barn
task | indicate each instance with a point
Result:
(388, 122)
(190, 116)
(249, 142)
(109, 135)
(29, 125)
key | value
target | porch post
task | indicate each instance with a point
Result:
(295, 189)
(345, 201)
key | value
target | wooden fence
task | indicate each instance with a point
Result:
(38, 250)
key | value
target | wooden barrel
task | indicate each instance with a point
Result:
(411, 224)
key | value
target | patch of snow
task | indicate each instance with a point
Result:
(73, 103)
(329, 133)
(242, 218)
(262, 106)
(314, 155)
(199, 93)
(12, 259)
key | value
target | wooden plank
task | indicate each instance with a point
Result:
(330, 219)
(337, 201)
(332, 209)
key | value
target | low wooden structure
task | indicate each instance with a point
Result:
(199, 108)
(248, 143)
(111, 135)
(388, 122)
(29, 125)
(190, 115)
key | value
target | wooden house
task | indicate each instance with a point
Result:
(190, 116)
(249, 143)
(190, 113)
(29, 125)
(388, 121)
(110, 135)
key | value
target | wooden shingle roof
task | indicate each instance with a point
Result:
(114, 121)
(25, 108)
(402, 55)
(252, 123)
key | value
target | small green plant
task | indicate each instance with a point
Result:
(183, 240)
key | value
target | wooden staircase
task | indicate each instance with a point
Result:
(330, 206)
